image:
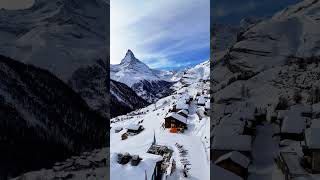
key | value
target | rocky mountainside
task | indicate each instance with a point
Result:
(274, 61)
(148, 83)
(124, 99)
(66, 37)
(42, 120)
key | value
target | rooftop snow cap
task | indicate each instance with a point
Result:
(129, 57)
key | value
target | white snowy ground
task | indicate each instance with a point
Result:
(195, 139)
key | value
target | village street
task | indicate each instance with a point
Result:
(265, 150)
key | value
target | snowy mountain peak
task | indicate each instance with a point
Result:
(129, 57)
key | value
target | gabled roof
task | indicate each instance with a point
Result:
(177, 117)
(312, 138)
(182, 105)
(220, 173)
(293, 124)
(133, 127)
(236, 157)
(183, 111)
(201, 100)
(232, 142)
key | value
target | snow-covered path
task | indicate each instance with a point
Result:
(265, 150)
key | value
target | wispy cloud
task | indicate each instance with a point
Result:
(160, 33)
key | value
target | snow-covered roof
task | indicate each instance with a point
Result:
(127, 171)
(315, 123)
(221, 129)
(312, 137)
(220, 173)
(133, 127)
(183, 111)
(236, 157)
(177, 117)
(293, 124)
(201, 100)
(292, 161)
(316, 108)
(232, 142)
(208, 105)
(182, 105)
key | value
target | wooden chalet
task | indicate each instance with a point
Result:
(175, 120)
(292, 127)
(134, 129)
(201, 100)
(223, 144)
(289, 163)
(311, 150)
(234, 162)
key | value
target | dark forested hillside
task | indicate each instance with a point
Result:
(42, 120)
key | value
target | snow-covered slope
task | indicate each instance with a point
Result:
(195, 139)
(272, 66)
(66, 37)
(42, 120)
(148, 83)
(57, 35)
(93, 165)
(200, 72)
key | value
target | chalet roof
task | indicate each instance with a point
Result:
(182, 105)
(236, 157)
(133, 127)
(177, 117)
(184, 112)
(293, 124)
(232, 142)
(207, 105)
(316, 108)
(222, 129)
(127, 171)
(312, 138)
(292, 161)
(201, 100)
(315, 123)
(221, 173)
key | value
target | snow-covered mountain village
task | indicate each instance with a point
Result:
(265, 97)
(168, 139)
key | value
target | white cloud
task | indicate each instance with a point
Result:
(156, 30)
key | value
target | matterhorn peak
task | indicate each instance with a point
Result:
(129, 57)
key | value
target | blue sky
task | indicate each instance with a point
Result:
(166, 34)
(232, 11)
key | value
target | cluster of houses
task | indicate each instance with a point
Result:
(299, 125)
(299, 135)
(177, 118)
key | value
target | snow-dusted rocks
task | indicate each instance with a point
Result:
(146, 169)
